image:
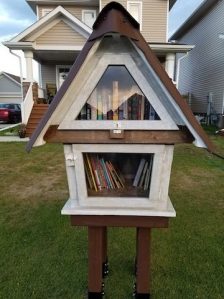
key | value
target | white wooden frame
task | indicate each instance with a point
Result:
(140, 7)
(88, 10)
(57, 72)
(158, 195)
(83, 92)
(45, 11)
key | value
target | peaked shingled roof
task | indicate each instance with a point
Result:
(115, 19)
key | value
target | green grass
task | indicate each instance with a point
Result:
(10, 132)
(42, 256)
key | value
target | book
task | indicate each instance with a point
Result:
(138, 173)
(91, 172)
(99, 108)
(115, 100)
(142, 107)
(117, 175)
(143, 174)
(88, 175)
(146, 183)
(109, 183)
(125, 109)
(88, 111)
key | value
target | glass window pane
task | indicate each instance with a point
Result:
(117, 97)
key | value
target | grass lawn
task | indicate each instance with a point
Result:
(42, 256)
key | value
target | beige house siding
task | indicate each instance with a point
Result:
(105, 2)
(48, 74)
(61, 34)
(154, 19)
(74, 10)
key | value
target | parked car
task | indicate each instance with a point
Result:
(10, 113)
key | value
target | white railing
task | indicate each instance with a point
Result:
(27, 105)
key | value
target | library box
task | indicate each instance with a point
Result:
(119, 116)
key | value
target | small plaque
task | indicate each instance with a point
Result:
(117, 134)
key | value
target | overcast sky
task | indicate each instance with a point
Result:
(16, 15)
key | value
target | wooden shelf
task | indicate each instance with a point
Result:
(128, 191)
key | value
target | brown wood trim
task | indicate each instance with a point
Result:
(120, 221)
(95, 255)
(143, 260)
(53, 135)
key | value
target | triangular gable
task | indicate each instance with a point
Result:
(14, 79)
(61, 33)
(49, 20)
(111, 19)
(82, 93)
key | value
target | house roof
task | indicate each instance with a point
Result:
(194, 18)
(115, 19)
(41, 24)
(12, 77)
(34, 3)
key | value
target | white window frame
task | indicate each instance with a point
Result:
(140, 4)
(57, 72)
(86, 11)
(157, 203)
(45, 11)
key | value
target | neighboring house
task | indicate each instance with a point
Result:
(10, 88)
(202, 71)
(62, 29)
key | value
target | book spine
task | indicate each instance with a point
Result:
(134, 114)
(99, 108)
(125, 112)
(139, 172)
(91, 172)
(117, 176)
(88, 112)
(129, 108)
(87, 172)
(110, 186)
(141, 183)
(142, 107)
(146, 112)
(110, 176)
(115, 100)
(146, 184)
(139, 107)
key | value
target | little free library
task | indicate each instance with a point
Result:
(119, 116)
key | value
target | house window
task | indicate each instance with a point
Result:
(89, 17)
(46, 11)
(135, 9)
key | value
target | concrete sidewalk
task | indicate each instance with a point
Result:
(13, 139)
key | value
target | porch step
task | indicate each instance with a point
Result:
(36, 115)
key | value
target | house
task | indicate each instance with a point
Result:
(63, 27)
(202, 71)
(10, 88)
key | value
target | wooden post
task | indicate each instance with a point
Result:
(95, 235)
(105, 257)
(143, 263)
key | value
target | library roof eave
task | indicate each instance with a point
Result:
(115, 19)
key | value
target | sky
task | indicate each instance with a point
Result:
(16, 15)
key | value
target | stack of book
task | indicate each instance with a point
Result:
(143, 175)
(101, 174)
